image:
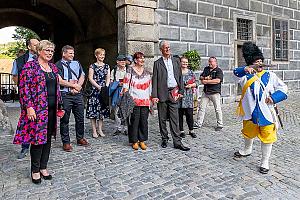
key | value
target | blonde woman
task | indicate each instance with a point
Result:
(39, 98)
(99, 76)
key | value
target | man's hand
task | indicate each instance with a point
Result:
(250, 70)
(178, 97)
(155, 100)
(269, 100)
(74, 91)
(31, 114)
(208, 77)
(204, 82)
(77, 87)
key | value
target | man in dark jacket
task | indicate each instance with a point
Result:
(167, 88)
(18, 64)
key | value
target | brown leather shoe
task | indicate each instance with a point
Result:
(82, 142)
(143, 145)
(135, 146)
(67, 147)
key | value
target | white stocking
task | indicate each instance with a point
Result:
(248, 147)
(266, 153)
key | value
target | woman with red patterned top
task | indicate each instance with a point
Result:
(138, 82)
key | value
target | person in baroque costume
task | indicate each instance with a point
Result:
(261, 90)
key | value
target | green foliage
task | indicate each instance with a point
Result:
(3, 56)
(194, 59)
(21, 35)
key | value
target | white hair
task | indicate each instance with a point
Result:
(161, 43)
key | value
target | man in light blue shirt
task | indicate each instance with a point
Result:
(18, 64)
(71, 78)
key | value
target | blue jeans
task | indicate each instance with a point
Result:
(25, 146)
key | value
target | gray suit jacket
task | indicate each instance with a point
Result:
(160, 79)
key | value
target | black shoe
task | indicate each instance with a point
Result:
(238, 155)
(218, 128)
(196, 125)
(192, 134)
(181, 147)
(49, 177)
(263, 170)
(182, 134)
(36, 181)
(164, 144)
(117, 132)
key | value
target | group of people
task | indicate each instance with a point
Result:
(49, 91)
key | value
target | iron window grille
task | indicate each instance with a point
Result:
(244, 29)
(280, 40)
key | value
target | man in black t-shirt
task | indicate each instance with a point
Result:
(211, 78)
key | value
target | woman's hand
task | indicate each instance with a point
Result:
(31, 114)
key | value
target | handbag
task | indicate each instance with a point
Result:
(60, 109)
(104, 96)
(127, 103)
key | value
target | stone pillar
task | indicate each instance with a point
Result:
(137, 30)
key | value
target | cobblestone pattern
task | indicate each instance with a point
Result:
(110, 169)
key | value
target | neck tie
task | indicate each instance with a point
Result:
(69, 70)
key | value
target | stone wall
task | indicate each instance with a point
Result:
(5, 126)
(208, 26)
(137, 30)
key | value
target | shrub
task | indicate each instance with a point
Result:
(194, 59)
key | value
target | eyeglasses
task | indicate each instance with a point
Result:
(48, 50)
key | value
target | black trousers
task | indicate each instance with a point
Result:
(40, 153)
(169, 110)
(188, 112)
(75, 104)
(138, 124)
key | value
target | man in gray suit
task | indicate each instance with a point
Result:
(166, 79)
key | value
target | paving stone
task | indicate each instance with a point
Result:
(110, 169)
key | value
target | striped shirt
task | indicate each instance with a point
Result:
(140, 86)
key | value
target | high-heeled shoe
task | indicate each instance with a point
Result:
(95, 135)
(49, 177)
(36, 181)
(101, 134)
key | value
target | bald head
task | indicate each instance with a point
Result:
(32, 44)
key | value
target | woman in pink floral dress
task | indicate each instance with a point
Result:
(39, 97)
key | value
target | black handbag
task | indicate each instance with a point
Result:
(104, 95)
(126, 103)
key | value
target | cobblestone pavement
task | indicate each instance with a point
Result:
(110, 169)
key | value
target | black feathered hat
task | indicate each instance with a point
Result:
(251, 53)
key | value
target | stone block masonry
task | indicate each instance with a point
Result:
(209, 26)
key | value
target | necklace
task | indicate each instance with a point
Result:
(50, 75)
(48, 71)
(139, 69)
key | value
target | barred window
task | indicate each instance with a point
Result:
(280, 40)
(244, 29)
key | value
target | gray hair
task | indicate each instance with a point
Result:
(66, 48)
(161, 43)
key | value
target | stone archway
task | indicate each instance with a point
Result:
(84, 24)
